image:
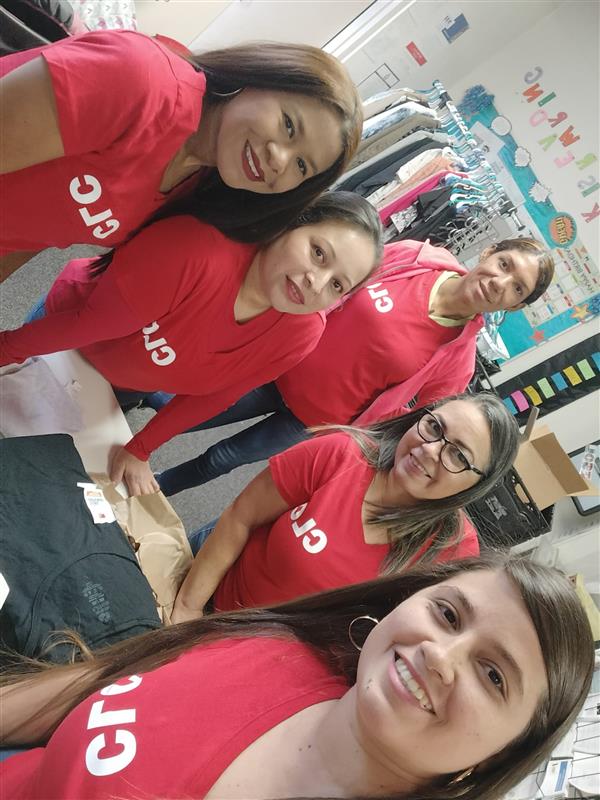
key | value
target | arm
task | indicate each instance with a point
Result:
(135, 289)
(130, 463)
(259, 504)
(104, 315)
(29, 130)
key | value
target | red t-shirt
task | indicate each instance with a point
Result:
(320, 543)
(380, 337)
(174, 730)
(162, 318)
(125, 105)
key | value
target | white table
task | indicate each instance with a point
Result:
(104, 425)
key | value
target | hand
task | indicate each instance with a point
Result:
(181, 613)
(136, 474)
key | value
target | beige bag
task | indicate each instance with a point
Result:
(162, 548)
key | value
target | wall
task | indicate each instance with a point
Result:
(492, 26)
(578, 423)
(307, 21)
(557, 60)
(181, 19)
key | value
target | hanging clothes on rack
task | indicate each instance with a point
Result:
(373, 148)
(425, 173)
(383, 100)
(397, 116)
(381, 169)
(417, 171)
(407, 198)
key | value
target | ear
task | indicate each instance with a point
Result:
(516, 308)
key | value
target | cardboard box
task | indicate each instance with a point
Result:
(547, 471)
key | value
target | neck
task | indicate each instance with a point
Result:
(449, 301)
(343, 766)
(251, 299)
(384, 492)
(202, 145)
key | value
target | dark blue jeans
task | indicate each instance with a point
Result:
(262, 440)
(37, 311)
(197, 538)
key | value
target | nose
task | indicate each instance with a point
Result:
(499, 283)
(434, 449)
(278, 157)
(317, 280)
(440, 659)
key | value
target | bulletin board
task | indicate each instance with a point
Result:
(574, 295)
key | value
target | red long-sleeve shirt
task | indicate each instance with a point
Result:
(162, 318)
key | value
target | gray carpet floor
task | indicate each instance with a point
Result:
(195, 506)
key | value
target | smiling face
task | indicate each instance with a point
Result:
(308, 269)
(270, 142)
(418, 472)
(449, 678)
(502, 281)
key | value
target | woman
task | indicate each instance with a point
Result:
(182, 308)
(197, 710)
(98, 132)
(411, 333)
(339, 509)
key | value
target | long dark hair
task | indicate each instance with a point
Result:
(322, 621)
(436, 521)
(295, 68)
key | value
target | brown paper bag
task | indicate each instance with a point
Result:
(163, 551)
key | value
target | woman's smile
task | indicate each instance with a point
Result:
(294, 292)
(251, 164)
(408, 685)
(415, 466)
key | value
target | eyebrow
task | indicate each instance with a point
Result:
(499, 649)
(302, 131)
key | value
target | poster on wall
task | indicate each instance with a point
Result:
(574, 295)
(453, 26)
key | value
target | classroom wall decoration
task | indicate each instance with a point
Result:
(574, 296)
(555, 382)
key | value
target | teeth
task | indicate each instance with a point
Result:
(250, 161)
(411, 684)
(420, 466)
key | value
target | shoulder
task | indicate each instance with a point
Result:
(337, 448)
(468, 544)
(268, 654)
(125, 61)
(185, 233)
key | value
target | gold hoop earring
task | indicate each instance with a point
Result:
(364, 616)
(462, 775)
(226, 94)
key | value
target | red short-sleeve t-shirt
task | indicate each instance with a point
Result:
(320, 543)
(172, 732)
(317, 545)
(125, 105)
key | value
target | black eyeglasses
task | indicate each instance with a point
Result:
(452, 457)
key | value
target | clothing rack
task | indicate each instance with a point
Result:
(483, 228)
